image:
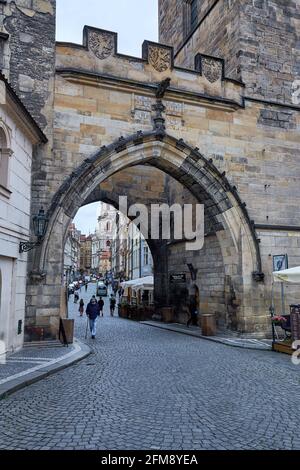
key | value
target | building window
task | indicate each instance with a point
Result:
(146, 256)
(194, 14)
(5, 154)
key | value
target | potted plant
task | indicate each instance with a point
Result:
(278, 320)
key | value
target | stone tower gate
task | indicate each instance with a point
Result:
(226, 136)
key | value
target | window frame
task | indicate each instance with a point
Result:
(5, 154)
(193, 14)
(190, 23)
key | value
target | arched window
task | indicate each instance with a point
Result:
(5, 154)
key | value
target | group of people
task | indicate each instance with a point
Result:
(76, 295)
(94, 310)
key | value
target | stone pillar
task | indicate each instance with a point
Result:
(159, 250)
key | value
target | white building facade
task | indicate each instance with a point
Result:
(102, 239)
(131, 256)
(72, 254)
(139, 255)
(18, 135)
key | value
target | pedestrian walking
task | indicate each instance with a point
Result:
(193, 320)
(86, 287)
(120, 292)
(93, 312)
(112, 302)
(101, 306)
(76, 298)
(81, 307)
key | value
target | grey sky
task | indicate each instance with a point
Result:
(133, 20)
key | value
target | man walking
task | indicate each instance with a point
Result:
(101, 306)
(112, 302)
(93, 312)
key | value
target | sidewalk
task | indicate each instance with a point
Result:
(232, 339)
(37, 361)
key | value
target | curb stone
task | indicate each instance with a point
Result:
(14, 385)
(214, 339)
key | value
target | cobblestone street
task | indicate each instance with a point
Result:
(146, 388)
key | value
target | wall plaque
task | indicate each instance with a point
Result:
(178, 278)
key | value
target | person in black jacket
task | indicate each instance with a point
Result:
(93, 312)
(101, 306)
(112, 302)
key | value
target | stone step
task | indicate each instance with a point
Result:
(43, 344)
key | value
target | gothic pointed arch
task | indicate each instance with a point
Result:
(186, 164)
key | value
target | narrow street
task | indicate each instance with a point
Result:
(145, 388)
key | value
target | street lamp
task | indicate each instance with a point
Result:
(40, 224)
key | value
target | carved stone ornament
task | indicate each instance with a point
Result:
(159, 58)
(101, 44)
(211, 69)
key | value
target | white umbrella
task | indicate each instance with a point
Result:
(288, 275)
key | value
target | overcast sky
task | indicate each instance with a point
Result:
(133, 20)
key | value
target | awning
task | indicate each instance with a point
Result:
(141, 283)
(288, 275)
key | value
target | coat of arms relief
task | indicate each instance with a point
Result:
(211, 69)
(101, 44)
(159, 58)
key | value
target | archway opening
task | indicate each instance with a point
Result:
(222, 270)
(106, 255)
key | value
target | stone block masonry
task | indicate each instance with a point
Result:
(259, 41)
(30, 25)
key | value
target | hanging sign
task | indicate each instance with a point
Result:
(295, 322)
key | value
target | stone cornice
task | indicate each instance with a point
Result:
(278, 228)
(100, 79)
(99, 55)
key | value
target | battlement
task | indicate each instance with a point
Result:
(98, 59)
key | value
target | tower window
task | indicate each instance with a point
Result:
(194, 14)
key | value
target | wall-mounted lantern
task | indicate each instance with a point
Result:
(40, 224)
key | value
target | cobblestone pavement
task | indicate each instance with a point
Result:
(146, 388)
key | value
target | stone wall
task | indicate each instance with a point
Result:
(171, 29)
(259, 40)
(210, 280)
(218, 34)
(30, 48)
(269, 50)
